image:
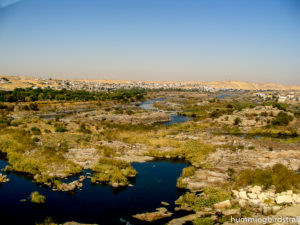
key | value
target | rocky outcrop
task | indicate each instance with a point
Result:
(140, 118)
(284, 199)
(239, 160)
(85, 157)
(248, 121)
(265, 202)
(191, 217)
(132, 152)
(292, 211)
(160, 213)
(3, 178)
(223, 205)
(203, 178)
(75, 223)
(69, 186)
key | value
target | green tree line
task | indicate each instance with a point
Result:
(38, 94)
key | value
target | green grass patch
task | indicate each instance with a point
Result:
(210, 196)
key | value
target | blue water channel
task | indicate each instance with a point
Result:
(100, 204)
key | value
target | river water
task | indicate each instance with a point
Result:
(101, 204)
(174, 118)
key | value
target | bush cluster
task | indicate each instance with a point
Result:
(279, 176)
(210, 196)
(111, 171)
(36, 197)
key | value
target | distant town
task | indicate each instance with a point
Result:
(270, 91)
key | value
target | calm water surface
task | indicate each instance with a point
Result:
(99, 204)
(174, 118)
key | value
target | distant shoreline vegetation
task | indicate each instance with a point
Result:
(38, 94)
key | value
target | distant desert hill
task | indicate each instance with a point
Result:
(250, 86)
(11, 82)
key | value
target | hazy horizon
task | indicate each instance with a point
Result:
(167, 40)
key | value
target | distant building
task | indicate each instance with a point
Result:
(282, 98)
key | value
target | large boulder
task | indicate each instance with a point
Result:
(236, 213)
(222, 205)
(69, 186)
(252, 195)
(243, 203)
(160, 213)
(243, 195)
(255, 203)
(291, 211)
(262, 196)
(275, 209)
(284, 199)
(296, 198)
(255, 189)
(267, 210)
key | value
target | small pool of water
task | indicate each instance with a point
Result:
(177, 119)
(223, 96)
(174, 118)
(101, 204)
(148, 105)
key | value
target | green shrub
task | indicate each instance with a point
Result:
(60, 128)
(83, 129)
(111, 171)
(35, 131)
(36, 197)
(33, 106)
(279, 176)
(280, 106)
(36, 139)
(47, 131)
(282, 119)
(129, 112)
(203, 221)
(186, 172)
(230, 173)
(211, 196)
(237, 121)
(265, 114)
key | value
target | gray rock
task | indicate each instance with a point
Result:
(254, 203)
(255, 190)
(284, 199)
(160, 213)
(267, 210)
(165, 203)
(222, 205)
(232, 212)
(235, 194)
(275, 209)
(262, 196)
(252, 196)
(243, 195)
(296, 198)
(243, 203)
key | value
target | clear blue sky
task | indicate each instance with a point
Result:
(246, 40)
